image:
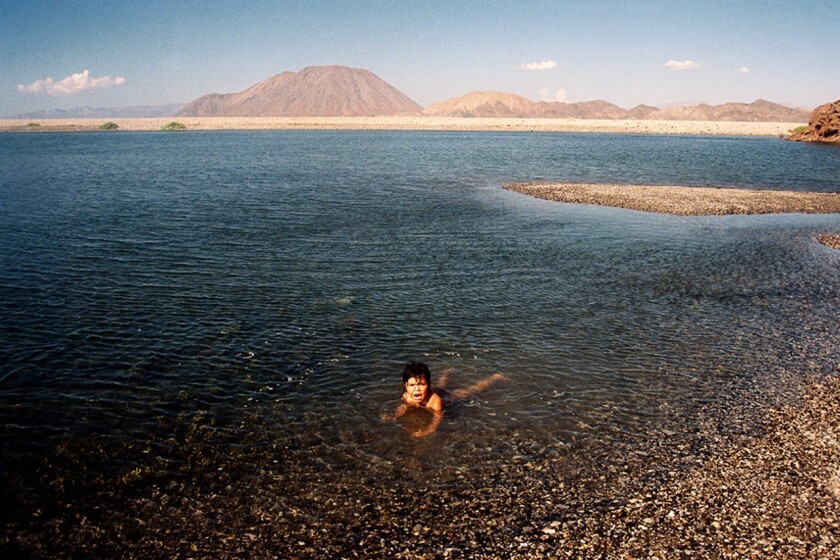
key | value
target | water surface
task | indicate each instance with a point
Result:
(181, 304)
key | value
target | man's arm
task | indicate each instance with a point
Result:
(431, 427)
(401, 409)
(435, 406)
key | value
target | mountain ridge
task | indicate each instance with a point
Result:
(339, 91)
(87, 112)
(507, 105)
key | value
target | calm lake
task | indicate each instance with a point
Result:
(178, 305)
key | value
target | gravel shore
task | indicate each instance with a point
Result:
(756, 481)
(773, 495)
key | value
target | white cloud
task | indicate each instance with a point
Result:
(744, 70)
(538, 66)
(75, 83)
(682, 65)
(559, 95)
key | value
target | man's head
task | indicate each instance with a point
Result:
(416, 381)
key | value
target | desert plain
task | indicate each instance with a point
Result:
(712, 128)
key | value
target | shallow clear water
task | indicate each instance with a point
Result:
(261, 291)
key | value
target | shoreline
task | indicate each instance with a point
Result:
(419, 123)
(772, 491)
(684, 201)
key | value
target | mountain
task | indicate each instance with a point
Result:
(339, 91)
(486, 104)
(138, 112)
(316, 91)
(508, 105)
(597, 109)
(642, 112)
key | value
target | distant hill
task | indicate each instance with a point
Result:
(508, 105)
(316, 91)
(136, 112)
(642, 112)
(757, 111)
(486, 104)
(597, 109)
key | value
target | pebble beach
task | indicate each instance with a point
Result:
(759, 480)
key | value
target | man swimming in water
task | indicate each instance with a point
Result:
(419, 395)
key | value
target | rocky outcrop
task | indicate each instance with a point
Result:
(823, 126)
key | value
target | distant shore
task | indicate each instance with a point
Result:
(711, 128)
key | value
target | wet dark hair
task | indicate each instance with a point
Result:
(417, 370)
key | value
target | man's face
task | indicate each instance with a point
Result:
(416, 390)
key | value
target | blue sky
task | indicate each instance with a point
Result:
(64, 54)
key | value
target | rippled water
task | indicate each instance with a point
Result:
(258, 293)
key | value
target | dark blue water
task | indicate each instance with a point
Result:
(253, 296)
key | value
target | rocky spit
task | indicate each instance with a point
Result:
(689, 201)
(684, 201)
(830, 240)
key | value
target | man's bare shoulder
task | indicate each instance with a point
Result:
(435, 403)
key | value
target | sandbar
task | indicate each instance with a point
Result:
(684, 201)
(630, 126)
(832, 240)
